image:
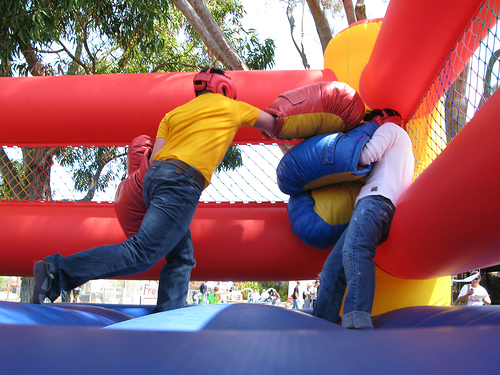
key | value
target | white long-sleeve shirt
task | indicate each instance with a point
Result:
(390, 150)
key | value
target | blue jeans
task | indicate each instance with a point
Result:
(171, 197)
(351, 265)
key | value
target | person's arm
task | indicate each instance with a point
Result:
(486, 299)
(464, 294)
(159, 143)
(266, 122)
(375, 148)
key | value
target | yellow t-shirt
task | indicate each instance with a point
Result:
(200, 131)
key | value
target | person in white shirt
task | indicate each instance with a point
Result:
(474, 294)
(264, 296)
(254, 297)
(350, 263)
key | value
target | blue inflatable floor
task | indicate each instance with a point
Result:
(243, 339)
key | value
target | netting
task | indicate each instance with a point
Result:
(248, 173)
(455, 96)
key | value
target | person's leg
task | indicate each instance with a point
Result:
(171, 199)
(175, 275)
(333, 284)
(369, 226)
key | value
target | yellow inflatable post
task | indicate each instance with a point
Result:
(349, 51)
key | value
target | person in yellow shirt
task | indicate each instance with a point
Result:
(191, 141)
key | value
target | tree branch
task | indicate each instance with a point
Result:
(220, 39)
(349, 11)
(34, 64)
(360, 10)
(198, 24)
(76, 60)
(86, 45)
(291, 21)
(322, 26)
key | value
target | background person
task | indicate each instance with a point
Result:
(474, 294)
(314, 292)
(295, 296)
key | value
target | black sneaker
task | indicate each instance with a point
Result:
(41, 273)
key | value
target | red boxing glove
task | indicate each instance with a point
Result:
(320, 108)
(139, 146)
(129, 201)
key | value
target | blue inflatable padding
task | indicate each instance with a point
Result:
(100, 310)
(238, 316)
(308, 226)
(54, 314)
(191, 318)
(56, 350)
(433, 341)
(133, 311)
(439, 316)
(333, 155)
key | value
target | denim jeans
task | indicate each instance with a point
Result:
(350, 264)
(171, 197)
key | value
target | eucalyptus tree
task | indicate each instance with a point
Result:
(320, 9)
(70, 37)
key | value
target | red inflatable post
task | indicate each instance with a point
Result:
(415, 39)
(447, 222)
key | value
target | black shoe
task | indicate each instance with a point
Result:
(41, 273)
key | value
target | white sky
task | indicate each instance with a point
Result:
(269, 18)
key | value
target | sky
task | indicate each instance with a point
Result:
(269, 18)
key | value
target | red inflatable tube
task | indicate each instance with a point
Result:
(407, 55)
(107, 110)
(232, 241)
(447, 222)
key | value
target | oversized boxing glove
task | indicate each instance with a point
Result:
(138, 147)
(318, 217)
(320, 108)
(129, 201)
(324, 160)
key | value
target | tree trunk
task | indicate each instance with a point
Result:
(360, 10)
(200, 7)
(321, 22)
(488, 89)
(37, 164)
(349, 11)
(11, 177)
(26, 289)
(291, 21)
(36, 67)
(456, 104)
(209, 32)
